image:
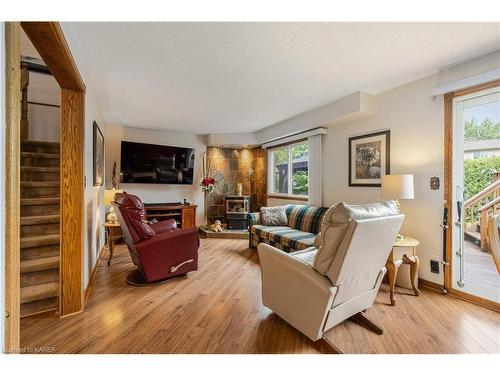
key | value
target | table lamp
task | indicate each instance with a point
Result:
(109, 196)
(398, 186)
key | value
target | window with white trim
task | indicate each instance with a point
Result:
(289, 170)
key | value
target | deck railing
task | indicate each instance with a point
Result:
(482, 204)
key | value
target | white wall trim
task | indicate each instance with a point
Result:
(295, 137)
(474, 80)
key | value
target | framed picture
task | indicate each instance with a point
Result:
(98, 156)
(369, 158)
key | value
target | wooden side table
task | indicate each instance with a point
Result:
(404, 251)
(113, 233)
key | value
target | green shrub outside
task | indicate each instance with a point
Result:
(477, 176)
(477, 172)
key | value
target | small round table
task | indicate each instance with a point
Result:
(398, 256)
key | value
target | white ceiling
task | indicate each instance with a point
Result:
(241, 77)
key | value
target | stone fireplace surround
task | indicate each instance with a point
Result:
(230, 166)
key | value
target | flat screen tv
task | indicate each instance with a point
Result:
(156, 164)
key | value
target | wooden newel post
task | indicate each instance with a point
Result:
(495, 176)
(483, 224)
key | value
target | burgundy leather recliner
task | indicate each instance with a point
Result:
(160, 251)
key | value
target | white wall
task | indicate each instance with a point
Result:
(43, 88)
(44, 121)
(151, 193)
(2, 185)
(230, 139)
(94, 209)
(416, 124)
(356, 105)
(458, 71)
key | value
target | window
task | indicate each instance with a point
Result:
(289, 173)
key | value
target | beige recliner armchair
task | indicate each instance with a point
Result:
(337, 279)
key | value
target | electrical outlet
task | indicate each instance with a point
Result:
(434, 266)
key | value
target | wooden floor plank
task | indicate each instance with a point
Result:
(218, 309)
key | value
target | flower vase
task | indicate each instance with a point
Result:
(205, 209)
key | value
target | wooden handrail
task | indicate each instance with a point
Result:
(487, 190)
(25, 80)
(44, 104)
(490, 204)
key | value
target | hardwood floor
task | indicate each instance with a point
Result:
(218, 309)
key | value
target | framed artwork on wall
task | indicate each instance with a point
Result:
(98, 156)
(369, 158)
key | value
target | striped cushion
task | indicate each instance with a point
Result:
(292, 238)
(284, 238)
(263, 232)
(305, 218)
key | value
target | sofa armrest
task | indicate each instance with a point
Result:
(254, 219)
(295, 291)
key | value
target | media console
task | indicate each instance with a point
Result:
(184, 215)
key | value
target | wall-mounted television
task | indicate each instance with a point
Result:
(156, 164)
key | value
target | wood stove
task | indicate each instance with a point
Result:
(237, 209)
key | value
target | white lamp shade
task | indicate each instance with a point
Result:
(109, 195)
(398, 186)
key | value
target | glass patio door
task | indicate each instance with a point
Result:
(476, 192)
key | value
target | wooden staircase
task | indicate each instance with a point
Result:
(40, 218)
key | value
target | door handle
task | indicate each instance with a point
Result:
(460, 224)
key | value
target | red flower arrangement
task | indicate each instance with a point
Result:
(207, 184)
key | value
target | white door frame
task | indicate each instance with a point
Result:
(457, 256)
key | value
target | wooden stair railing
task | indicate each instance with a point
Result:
(483, 219)
(25, 80)
(491, 194)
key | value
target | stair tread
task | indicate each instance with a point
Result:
(27, 168)
(39, 201)
(41, 240)
(39, 264)
(39, 277)
(40, 219)
(41, 155)
(39, 306)
(39, 291)
(40, 287)
(40, 184)
(40, 146)
(40, 143)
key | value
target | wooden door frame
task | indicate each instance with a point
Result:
(448, 190)
(12, 189)
(49, 41)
